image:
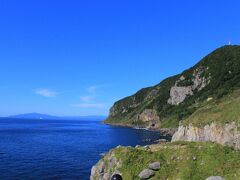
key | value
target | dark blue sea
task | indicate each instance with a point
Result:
(59, 149)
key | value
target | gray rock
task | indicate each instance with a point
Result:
(215, 178)
(179, 94)
(154, 166)
(147, 147)
(93, 172)
(106, 176)
(151, 117)
(227, 134)
(199, 81)
(146, 174)
(103, 169)
(182, 78)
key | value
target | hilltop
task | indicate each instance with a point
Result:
(209, 89)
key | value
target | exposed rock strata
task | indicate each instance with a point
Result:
(223, 134)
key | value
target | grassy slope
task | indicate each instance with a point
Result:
(221, 111)
(177, 161)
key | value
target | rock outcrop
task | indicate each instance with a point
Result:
(105, 168)
(227, 134)
(150, 117)
(179, 93)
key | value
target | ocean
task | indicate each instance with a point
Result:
(60, 149)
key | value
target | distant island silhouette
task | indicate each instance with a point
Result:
(51, 117)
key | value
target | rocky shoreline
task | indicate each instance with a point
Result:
(163, 131)
(227, 135)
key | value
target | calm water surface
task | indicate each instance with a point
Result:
(58, 149)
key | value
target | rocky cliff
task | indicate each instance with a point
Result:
(227, 134)
(177, 98)
(205, 101)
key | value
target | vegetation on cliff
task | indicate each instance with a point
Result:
(222, 111)
(210, 87)
(179, 160)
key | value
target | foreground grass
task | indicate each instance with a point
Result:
(182, 160)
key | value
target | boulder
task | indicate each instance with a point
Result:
(154, 166)
(146, 174)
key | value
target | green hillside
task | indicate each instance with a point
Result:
(181, 160)
(210, 87)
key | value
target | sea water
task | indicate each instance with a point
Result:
(60, 149)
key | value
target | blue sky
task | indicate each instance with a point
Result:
(77, 57)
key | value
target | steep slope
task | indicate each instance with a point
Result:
(210, 83)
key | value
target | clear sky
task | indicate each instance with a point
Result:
(76, 57)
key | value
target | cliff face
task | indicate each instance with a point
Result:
(176, 98)
(227, 134)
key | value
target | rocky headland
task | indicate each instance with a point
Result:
(199, 108)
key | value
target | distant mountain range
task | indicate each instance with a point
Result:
(50, 117)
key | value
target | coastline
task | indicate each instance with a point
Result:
(163, 131)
